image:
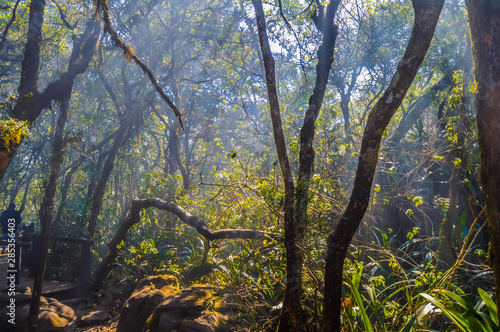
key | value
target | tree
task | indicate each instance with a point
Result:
(297, 194)
(484, 21)
(30, 101)
(92, 30)
(426, 17)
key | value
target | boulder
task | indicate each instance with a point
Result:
(148, 294)
(197, 309)
(184, 311)
(54, 315)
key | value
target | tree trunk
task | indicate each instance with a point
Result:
(50, 193)
(457, 193)
(65, 188)
(103, 179)
(296, 199)
(81, 47)
(426, 16)
(292, 314)
(484, 21)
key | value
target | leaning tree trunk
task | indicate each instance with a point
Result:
(484, 21)
(426, 16)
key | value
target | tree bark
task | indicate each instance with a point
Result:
(484, 21)
(426, 16)
(50, 193)
(292, 309)
(296, 198)
(81, 47)
(97, 198)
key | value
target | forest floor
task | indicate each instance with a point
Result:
(106, 303)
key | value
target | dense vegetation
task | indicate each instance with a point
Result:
(92, 130)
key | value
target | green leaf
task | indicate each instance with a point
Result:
(455, 316)
(490, 304)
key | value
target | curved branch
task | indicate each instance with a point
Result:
(200, 225)
(129, 55)
(9, 24)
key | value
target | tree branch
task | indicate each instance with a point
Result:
(200, 225)
(129, 53)
(9, 24)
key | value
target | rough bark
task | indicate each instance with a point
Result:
(200, 225)
(296, 199)
(426, 16)
(50, 194)
(292, 309)
(484, 21)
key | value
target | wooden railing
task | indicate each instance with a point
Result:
(33, 240)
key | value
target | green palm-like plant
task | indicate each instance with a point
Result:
(472, 319)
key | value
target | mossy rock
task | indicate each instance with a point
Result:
(197, 308)
(148, 294)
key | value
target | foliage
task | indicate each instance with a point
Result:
(12, 132)
(223, 167)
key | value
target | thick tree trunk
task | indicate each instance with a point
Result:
(426, 16)
(484, 21)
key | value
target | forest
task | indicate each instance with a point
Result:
(254, 165)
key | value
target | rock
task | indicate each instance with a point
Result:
(53, 315)
(148, 294)
(186, 311)
(94, 318)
